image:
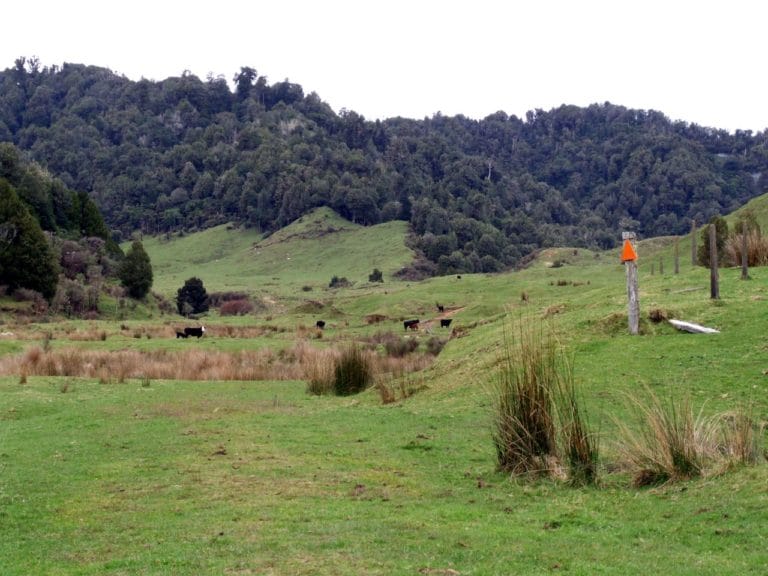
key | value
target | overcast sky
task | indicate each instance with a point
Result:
(701, 62)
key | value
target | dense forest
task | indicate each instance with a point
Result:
(185, 153)
(55, 247)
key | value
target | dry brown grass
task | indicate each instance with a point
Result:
(303, 361)
(155, 365)
(757, 249)
(672, 444)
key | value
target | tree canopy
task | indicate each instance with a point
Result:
(185, 153)
(135, 271)
(26, 258)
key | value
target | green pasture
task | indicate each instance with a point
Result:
(210, 478)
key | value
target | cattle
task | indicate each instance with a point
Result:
(412, 324)
(181, 335)
(320, 324)
(198, 332)
(440, 307)
(445, 322)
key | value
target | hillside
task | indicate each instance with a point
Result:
(306, 254)
(184, 154)
(210, 456)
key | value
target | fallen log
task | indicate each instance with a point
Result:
(693, 328)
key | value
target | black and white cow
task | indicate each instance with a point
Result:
(189, 331)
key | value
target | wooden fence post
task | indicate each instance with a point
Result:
(677, 256)
(714, 280)
(693, 242)
(629, 258)
(744, 254)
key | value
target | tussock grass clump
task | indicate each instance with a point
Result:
(353, 371)
(524, 434)
(757, 249)
(672, 444)
(318, 366)
(539, 426)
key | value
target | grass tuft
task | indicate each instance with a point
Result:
(353, 371)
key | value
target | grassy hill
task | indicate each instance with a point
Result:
(308, 252)
(158, 475)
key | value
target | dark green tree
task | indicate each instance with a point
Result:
(26, 259)
(135, 271)
(376, 276)
(192, 297)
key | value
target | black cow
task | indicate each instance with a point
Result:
(412, 324)
(181, 335)
(440, 308)
(198, 332)
(320, 324)
(445, 322)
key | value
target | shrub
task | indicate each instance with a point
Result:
(192, 298)
(353, 372)
(397, 347)
(337, 282)
(216, 299)
(236, 308)
(435, 345)
(376, 276)
(135, 271)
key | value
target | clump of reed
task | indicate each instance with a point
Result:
(539, 426)
(670, 443)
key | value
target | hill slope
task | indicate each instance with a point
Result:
(184, 154)
(308, 252)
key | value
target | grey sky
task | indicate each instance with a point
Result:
(699, 62)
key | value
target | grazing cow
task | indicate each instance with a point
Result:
(440, 308)
(412, 324)
(458, 277)
(194, 331)
(445, 322)
(181, 335)
(320, 324)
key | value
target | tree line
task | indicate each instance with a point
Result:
(183, 154)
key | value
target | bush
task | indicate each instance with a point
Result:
(337, 282)
(236, 308)
(353, 372)
(397, 347)
(435, 345)
(192, 297)
(376, 276)
(135, 271)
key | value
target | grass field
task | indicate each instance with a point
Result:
(216, 477)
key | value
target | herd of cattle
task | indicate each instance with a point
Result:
(320, 325)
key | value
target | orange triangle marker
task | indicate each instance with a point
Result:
(628, 252)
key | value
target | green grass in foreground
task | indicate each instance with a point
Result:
(213, 478)
(260, 478)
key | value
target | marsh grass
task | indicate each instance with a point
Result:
(353, 371)
(524, 428)
(540, 427)
(668, 443)
(671, 444)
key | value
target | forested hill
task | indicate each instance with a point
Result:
(187, 153)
